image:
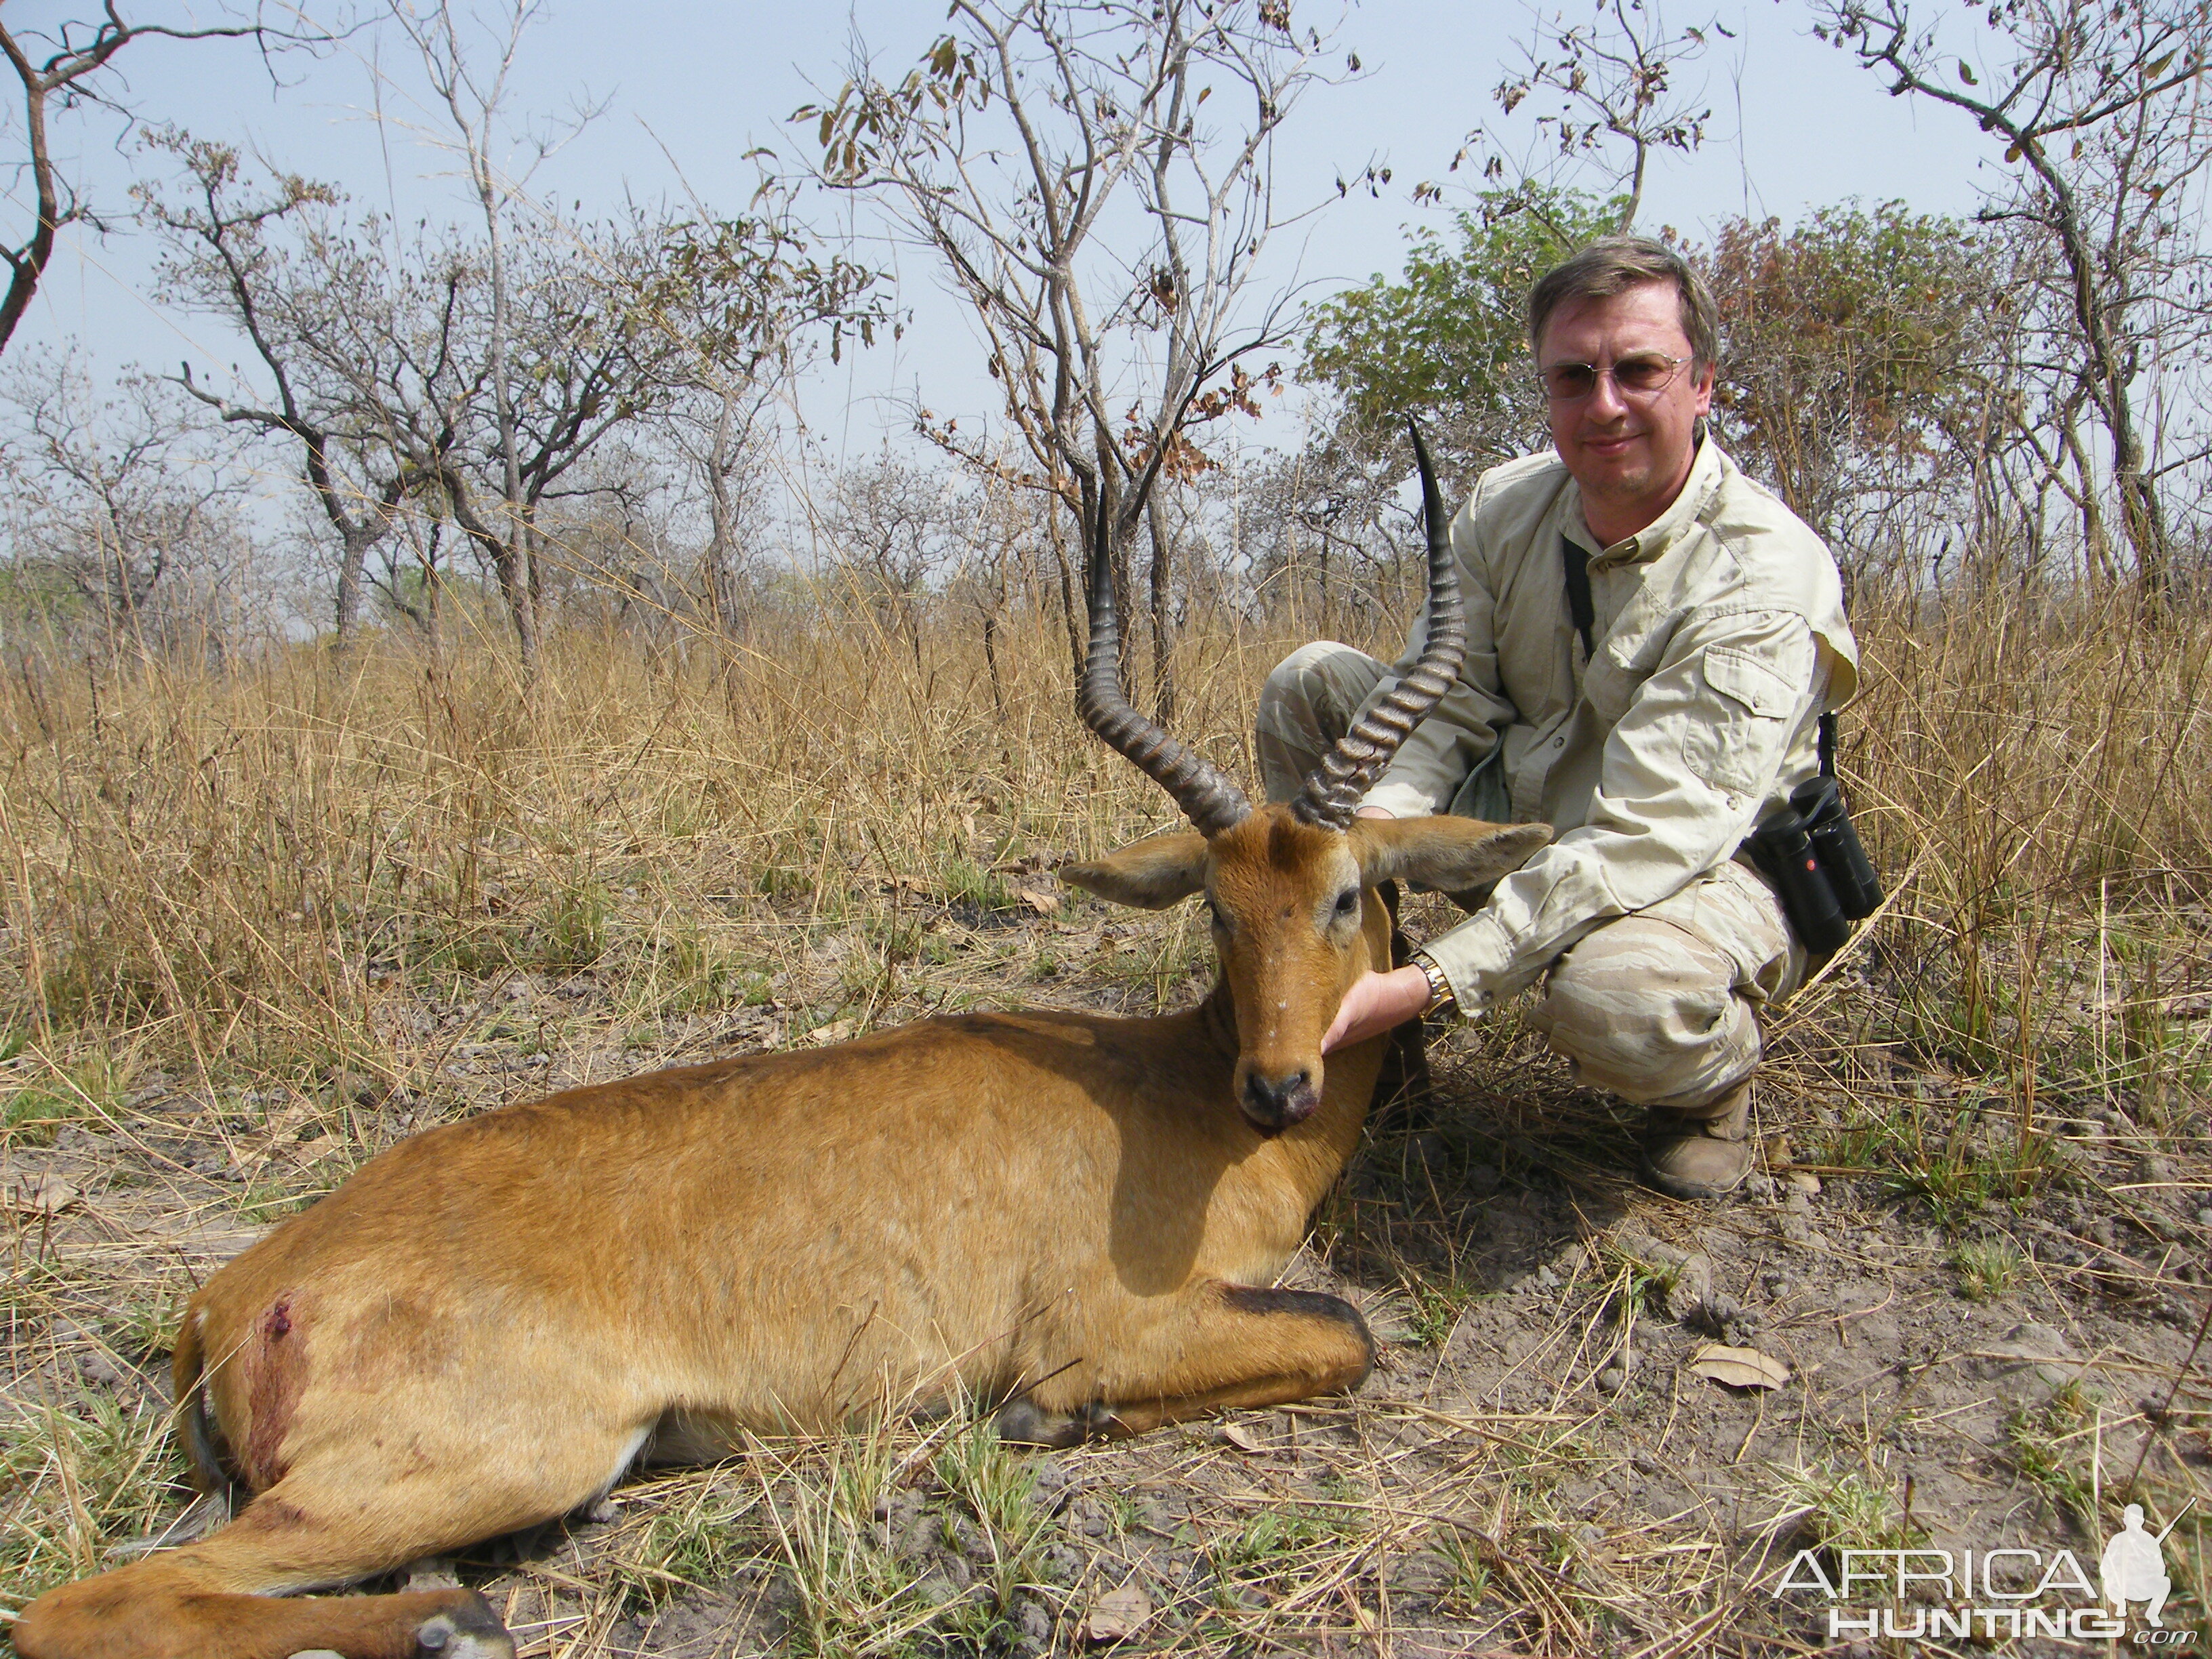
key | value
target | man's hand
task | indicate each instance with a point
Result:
(1376, 1003)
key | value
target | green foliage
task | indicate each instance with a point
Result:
(1448, 341)
(693, 1543)
(1843, 1509)
(31, 1115)
(1986, 1268)
(1851, 337)
(2043, 1443)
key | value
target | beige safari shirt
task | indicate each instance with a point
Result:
(1719, 640)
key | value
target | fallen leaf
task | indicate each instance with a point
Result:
(1240, 1436)
(42, 1195)
(1118, 1614)
(836, 1031)
(1045, 904)
(1739, 1367)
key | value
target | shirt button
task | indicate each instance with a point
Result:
(1559, 743)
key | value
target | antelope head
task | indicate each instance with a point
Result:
(1289, 887)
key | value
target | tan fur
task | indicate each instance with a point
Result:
(489, 1322)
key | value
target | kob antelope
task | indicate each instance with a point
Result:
(1076, 1219)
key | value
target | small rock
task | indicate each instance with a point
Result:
(1037, 1622)
(1611, 1380)
(2204, 1217)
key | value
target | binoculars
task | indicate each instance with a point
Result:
(1811, 854)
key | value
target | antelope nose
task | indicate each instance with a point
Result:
(1278, 1103)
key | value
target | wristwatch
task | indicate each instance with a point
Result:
(1440, 989)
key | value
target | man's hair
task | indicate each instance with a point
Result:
(1613, 264)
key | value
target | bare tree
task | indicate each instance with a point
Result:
(67, 63)
(471, 82)
(1056, 158)
(2102, 109)
(119, 505)
(220, 259)
(892, 526)
(1608, 95)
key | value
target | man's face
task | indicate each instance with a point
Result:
(1630, 453)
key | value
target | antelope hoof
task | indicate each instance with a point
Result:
(470, 1630)
(1021, 1422)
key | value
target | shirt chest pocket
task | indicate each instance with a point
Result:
(1734, 739)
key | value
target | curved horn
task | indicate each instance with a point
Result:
(1333, 789)
(1205, 792)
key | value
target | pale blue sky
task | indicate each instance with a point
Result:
(695, 86)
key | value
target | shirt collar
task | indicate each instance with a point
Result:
(1648, 543)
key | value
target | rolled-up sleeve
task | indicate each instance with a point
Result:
(1682, 778)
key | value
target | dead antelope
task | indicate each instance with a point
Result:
(1077, 1219)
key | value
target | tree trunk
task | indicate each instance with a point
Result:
(353, 555)
(31, 264)
(1071, 610)
(1164, 689)
(2142, 518)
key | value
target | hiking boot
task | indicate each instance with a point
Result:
(1702, 1153)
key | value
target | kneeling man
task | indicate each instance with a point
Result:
(1653, 639)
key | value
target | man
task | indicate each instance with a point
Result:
(1715, 640)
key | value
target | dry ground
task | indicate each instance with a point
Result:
(1979, 1252)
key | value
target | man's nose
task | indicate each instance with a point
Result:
(1606, 403)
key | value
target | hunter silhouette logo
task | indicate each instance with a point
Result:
(2133, 1567)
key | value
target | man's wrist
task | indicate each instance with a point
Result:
(1440, 987)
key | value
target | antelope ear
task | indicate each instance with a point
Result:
(1150, 875)
(1448, 854)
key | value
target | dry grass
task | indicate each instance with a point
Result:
(259, 924)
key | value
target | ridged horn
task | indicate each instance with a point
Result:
(1331, 792)
(1207, 796)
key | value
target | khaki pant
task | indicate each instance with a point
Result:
(1659, 1007)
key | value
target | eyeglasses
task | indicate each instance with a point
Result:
(1639, 374)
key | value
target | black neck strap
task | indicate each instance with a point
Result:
(1579, 592)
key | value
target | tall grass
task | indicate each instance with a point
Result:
(253, 868)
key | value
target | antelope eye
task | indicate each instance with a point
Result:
(1347, 901)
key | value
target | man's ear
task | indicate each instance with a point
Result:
(1446, 855)
(1150, 874)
